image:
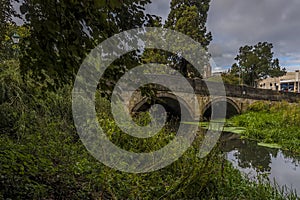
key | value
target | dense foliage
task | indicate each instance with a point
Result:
(255, 63)
(230, 78)
(41, 156)
(189, 17)
(63, 32)
(272, 123)
(5, 18)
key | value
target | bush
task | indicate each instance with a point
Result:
(259, 106)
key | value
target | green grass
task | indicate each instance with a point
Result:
(276, 124)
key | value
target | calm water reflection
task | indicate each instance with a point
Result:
(252, 159)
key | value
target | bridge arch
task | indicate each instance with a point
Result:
(170, 102)
(232, 108)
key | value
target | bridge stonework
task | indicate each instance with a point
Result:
(237, 98)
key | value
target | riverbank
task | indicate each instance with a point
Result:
(42, 156)
(276, 125)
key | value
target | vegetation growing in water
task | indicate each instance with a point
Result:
(272, 123)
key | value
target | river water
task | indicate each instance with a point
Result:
(252, 159)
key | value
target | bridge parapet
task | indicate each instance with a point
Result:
(245, 92)
(200, 87)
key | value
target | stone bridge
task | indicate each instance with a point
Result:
(237, 99)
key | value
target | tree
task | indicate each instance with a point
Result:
(63, 32)
(188, 17)
(6, 12)
(5, 17)
(230, 78)
(255, 63)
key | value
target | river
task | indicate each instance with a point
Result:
(252, 159)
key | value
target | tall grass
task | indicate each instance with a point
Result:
(42, 157)
(277, 122)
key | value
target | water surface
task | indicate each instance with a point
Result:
(252, 159)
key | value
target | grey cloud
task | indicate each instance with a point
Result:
(235, 23)
(215, 50)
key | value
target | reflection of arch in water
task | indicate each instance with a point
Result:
(232, 108)
(170, 102)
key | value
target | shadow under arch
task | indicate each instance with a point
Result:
(232, 108)
(171, 103)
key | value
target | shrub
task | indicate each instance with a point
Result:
(259, 106)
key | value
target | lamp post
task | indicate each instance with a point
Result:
(16, 39)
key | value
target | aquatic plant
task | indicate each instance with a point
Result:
(272, 123)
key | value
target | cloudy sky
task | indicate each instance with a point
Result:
(235, 23)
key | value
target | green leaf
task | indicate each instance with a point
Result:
(273, 145)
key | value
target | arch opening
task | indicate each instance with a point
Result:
(231, 109)
(172, 107)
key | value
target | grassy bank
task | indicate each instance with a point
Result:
(277, 124)
(42, 157)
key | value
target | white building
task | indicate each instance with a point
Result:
(289, 82)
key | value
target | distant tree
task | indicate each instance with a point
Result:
(255, 63)
(230, 78)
